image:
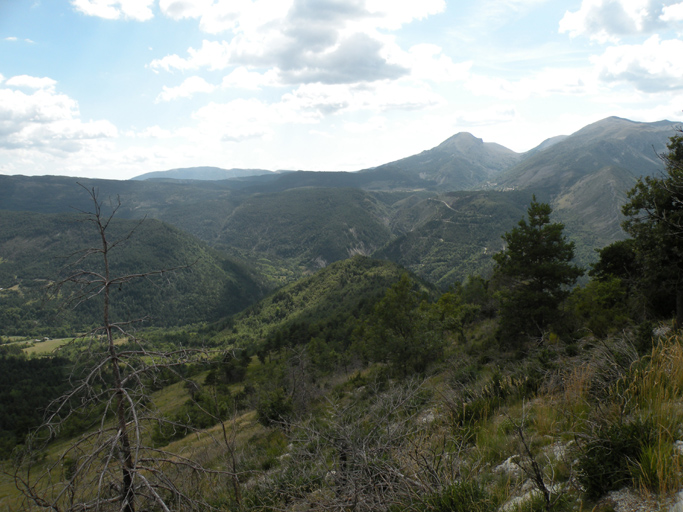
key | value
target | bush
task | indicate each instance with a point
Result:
(606, 462)
(274, 408)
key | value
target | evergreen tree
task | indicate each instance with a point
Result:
(400, 332)
(655, 221)
(536, 270)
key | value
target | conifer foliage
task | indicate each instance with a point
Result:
(536, 270)
(655, 221)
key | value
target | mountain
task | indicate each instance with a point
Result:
(586, 175)
(411, 211)
(447, 237)
(459, 163)
(36, 249)
(545, 145)
(335, 296)
(309, 227)
(201, 173)
(612, 142)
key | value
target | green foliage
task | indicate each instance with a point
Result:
(326, 305)
(453, 313)
(616, 260)
(655, 222)
(479, 405)
(463, 496)
(309, 226)
(601, 306)
(606, 462)
(230, 370)
(35, 249)
(446, 238)
(536, 271)
(27, 386)
(275, 408)
(207, 406)
(400, 332)
(658, 469)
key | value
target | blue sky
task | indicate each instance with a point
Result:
(116, 88)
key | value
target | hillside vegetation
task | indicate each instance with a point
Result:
(290, 223)
(36, 249)
(361, 385)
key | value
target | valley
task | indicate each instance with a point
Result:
(300, 340)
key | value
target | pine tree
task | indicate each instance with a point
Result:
(536, 270)
(655, 221)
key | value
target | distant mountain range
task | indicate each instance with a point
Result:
(439, 213)
(201, 173)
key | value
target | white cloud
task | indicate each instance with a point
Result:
(179, 9)
(428, 62)
(372, 125)
(223, 15)
(304, 41)
(609, 20)
(11, 39)
(654, 66)
(237, 120)
(212, 55)
(44, 119)
(491, 116)
(672, 13)
(187, 89)
(139, 10)
(392, 14)
(244, 119)
(31, 82)
(320, 99)
(546, 82)
(152, 132)
(242, 78)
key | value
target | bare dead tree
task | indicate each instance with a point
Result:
(112, 464)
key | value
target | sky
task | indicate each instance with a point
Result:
(117, 88)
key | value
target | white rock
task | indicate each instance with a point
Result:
(509, 467)
(678, 446)
(678, 502)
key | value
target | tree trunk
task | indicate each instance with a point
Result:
(127, 489)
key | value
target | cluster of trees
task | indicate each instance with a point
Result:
(635, 280)
(26, 385)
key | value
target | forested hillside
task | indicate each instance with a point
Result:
(288, 224)
(37, 250)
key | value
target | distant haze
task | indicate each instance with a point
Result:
(201, 173)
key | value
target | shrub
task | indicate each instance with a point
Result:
(606, 462)
(274, 408)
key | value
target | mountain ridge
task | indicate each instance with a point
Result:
(205, 173)
(421, 211)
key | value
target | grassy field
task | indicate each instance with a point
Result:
(46, 347)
